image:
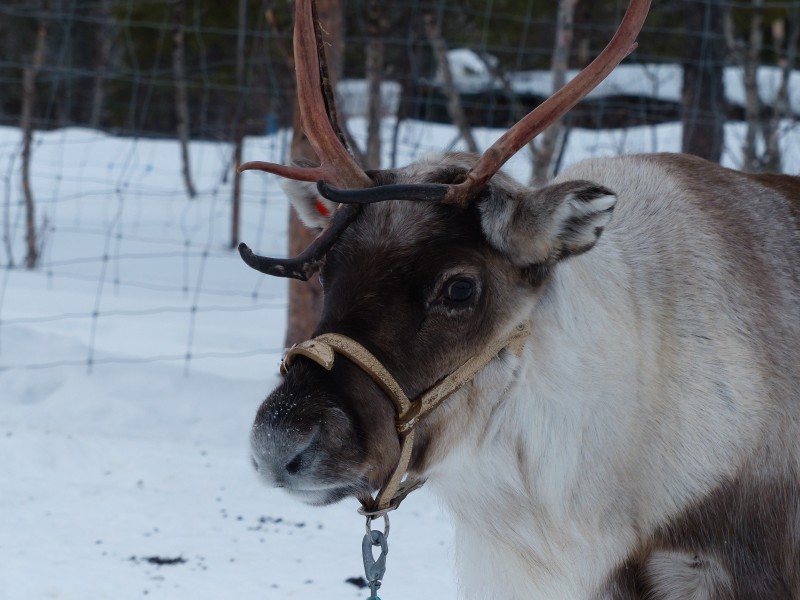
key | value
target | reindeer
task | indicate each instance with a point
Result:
(600, 377)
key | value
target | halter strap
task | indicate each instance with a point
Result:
(322, 350)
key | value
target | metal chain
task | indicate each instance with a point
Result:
(374, 569)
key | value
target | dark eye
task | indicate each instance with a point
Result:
(459, 289)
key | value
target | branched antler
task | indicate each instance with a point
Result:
(338, 168)
(316, 112)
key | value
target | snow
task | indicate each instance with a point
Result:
(471, 73)
(132, 363)
(115, 447)
(352, 97)
(649, 80)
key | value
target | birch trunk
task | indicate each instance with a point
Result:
(552, 138)
(181, 93)
(773, 161)
(238, 127)
(454, 107)
(752, 111)
(26, 124)
(374, 73)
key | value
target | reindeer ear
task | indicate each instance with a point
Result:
(548, 224)
(313, 209)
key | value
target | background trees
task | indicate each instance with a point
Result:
(220, 71)
(109, 63)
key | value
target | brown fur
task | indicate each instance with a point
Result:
(384, 281)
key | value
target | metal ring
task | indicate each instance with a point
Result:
(385, 525)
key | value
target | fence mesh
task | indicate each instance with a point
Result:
(114, 220)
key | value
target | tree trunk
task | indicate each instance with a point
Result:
(305, 297)
(374, 72)
(26, 124)
(105, 39)
(238, 126)
(7, 241)
(752, 110)
(782, 109)
(454, 108)
(236, 200)
(181, 93)
(703, 103)
(518, 111)
(549, 147)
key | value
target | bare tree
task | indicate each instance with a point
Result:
(703, 103)
(105, 39)
(781, 108)
(376, 25)
(497, 73)
(454, 108)
(238, 126)
(26, 124)
(181, 92)
(763, 125)
(553, 137)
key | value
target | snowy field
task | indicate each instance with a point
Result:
(131, 366)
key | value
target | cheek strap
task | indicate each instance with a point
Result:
(322, 350)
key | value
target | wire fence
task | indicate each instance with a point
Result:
(134, 269)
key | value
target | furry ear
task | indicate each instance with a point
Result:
(313, 209)
(543, 226)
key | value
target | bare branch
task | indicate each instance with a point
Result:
(454, 107)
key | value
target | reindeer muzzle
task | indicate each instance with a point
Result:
(323, 349)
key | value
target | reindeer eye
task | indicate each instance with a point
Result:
(459, 289)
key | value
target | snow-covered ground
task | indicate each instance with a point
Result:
(131, 366)
(132, 363)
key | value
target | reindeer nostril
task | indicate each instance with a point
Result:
(294, 465)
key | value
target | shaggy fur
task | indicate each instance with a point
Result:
(646, 443)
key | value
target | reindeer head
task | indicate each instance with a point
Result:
(424, 268)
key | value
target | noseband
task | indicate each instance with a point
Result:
(322, 350)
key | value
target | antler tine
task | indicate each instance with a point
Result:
(421, 192)
(337, 165)
(622, 44)
(305, 264)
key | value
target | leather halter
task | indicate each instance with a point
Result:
(322, 350)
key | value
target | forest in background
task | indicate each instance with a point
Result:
(124, 66)
(193, 69)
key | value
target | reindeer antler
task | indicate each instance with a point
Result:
(336, 164)
(339, 168)
(527, 128)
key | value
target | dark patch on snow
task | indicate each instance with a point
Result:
(162, 560)
(159, 560)
(265, 521)
(359, 582)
